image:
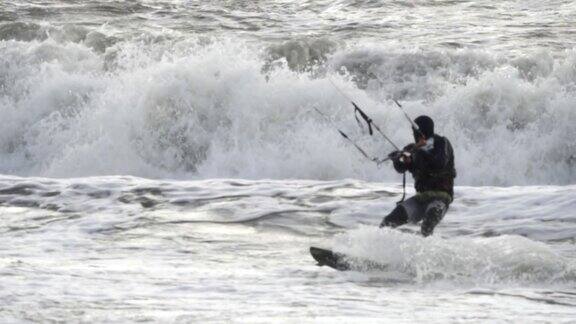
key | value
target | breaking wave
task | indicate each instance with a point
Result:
(77, 103)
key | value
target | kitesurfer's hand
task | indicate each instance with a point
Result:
(406, 157)
(401, 156)
(395, 155)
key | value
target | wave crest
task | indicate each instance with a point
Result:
(165, 106)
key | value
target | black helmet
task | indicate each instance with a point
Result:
(425, 127)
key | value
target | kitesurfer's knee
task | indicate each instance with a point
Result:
(397, 217)
(434, 213)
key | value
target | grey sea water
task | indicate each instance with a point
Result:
(162, 161)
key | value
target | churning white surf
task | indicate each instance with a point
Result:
(96, 96)
(135, 249)
(200, 109)
(507, 258)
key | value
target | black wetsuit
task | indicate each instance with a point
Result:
(432, 167)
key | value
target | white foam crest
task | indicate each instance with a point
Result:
(206, 111)
(504, 259)
(161, 107)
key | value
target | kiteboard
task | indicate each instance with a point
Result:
(343, 262)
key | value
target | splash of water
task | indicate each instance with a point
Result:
(199, 108)
(506, 258)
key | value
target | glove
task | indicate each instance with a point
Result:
(395, 155)
(401, 156)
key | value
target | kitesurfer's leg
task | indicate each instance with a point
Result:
(433, 214)
(408, 210)
(397, 217)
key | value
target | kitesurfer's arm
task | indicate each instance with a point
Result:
(402, 160)
(399, 166)
(435, 158)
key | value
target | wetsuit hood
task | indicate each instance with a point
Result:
(425, 127)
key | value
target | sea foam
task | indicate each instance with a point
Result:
(202, 108)
(510, 259)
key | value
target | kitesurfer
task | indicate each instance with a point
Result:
(431, 161)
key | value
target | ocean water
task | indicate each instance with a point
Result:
(162, 161)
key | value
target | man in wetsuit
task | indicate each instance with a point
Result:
(431, 161)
